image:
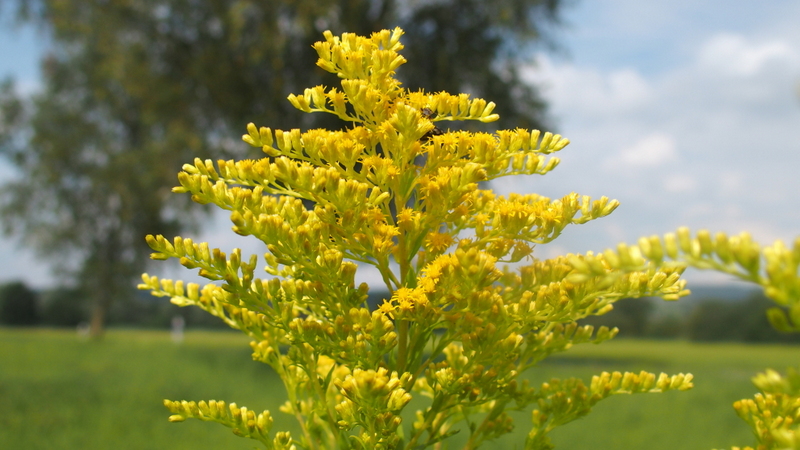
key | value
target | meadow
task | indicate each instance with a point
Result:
(58, 391)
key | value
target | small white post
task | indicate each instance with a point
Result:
(178, 324)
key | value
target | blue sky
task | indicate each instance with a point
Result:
(686, 112)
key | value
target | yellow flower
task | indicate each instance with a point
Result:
(405, 299)
(438, 242)
(410, 300)
(427, 284)
(406, 219)
(388, 308)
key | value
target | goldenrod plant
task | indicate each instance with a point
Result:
(774, 413)
(470, 308)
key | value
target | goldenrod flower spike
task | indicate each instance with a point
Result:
(398, 191)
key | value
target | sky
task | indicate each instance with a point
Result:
(686, 112)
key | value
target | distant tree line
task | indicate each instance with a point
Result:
(68, 307)
(708, 320)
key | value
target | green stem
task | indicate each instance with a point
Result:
(438, 404)
(435, 353)
(322, 398)
(402, 345)
(403, 261)
(292, 392)
(474, 438)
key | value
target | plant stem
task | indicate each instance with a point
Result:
(321, 395)
(497, 409)
(402, 345)
(401, 256)
(292, 393)
(438, 404)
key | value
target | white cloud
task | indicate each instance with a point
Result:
(730, 182)
(591, 92)
(679, 183)
(710, 142)
(653, 150)
(733, 55)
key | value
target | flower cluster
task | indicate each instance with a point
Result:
(460, 325)
(774, 413)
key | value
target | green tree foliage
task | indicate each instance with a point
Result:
(631, 315)
(18, 304)
(132, 89)
(725, 320)
(64, 307)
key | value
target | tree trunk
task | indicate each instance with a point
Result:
(100, 308)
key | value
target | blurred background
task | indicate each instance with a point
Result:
(686, 112)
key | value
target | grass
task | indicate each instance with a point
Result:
(702, 418)
(60, 392)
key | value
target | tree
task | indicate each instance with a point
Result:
(727, 320)
(631, 315)
(63, 306)
(132, 89)
(18, 304)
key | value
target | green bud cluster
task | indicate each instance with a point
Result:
(775, 268)
(773, 414)
(242, 421)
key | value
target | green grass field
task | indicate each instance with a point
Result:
(60, 392)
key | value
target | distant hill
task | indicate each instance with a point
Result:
(702, 293)
(732, 292)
